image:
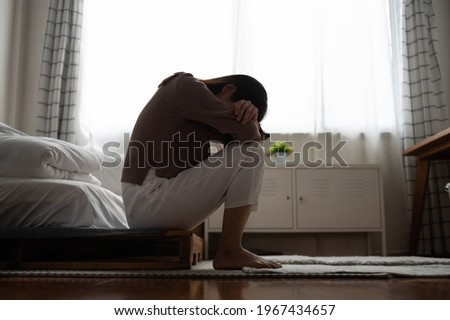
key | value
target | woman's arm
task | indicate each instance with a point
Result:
(198, 103)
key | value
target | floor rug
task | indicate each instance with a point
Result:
(293, 267)
(370, 265)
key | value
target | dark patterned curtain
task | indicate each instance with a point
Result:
(425, 114)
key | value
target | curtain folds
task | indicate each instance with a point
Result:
(424, 114)
(58, 86)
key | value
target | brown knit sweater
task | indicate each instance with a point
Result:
(173, 131)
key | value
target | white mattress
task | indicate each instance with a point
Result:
(26, 202)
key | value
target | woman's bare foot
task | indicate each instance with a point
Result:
(237, 259)
(230, 255)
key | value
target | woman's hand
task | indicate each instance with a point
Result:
(245, 111)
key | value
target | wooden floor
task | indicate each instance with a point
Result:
(266, 289)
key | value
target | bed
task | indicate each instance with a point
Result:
(54, 213)
(46, 182)
(37, 203)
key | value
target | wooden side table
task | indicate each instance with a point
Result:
(436, 147)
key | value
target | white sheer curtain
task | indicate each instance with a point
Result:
(322, 61)
(130, 46)
(326, 64)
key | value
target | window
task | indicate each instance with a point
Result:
(325, 63)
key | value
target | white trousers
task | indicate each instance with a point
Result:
(232, 176)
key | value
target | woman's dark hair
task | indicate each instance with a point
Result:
(248, 88)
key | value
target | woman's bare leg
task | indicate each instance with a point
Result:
(230, 253)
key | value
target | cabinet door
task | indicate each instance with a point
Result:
(275, 205)
(338, 199)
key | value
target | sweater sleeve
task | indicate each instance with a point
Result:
(198, 103)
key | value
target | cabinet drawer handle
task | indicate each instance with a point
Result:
(288, 198)
(301, 198)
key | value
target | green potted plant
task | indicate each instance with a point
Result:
(279, 150)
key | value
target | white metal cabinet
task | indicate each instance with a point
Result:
(320, 200)
(275, 210)
(339, 199)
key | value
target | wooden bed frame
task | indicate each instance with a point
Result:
(94, 249)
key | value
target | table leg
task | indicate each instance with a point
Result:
(422, 171)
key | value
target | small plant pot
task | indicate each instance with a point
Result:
(279, 151)
(279, 157)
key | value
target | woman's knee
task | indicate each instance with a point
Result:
(249, 155)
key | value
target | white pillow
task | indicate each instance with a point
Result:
(40, 157)
(8, 130)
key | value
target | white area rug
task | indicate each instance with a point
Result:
(293, 267)
(371, 265)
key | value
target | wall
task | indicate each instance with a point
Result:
(22, 29)
(6, 23)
